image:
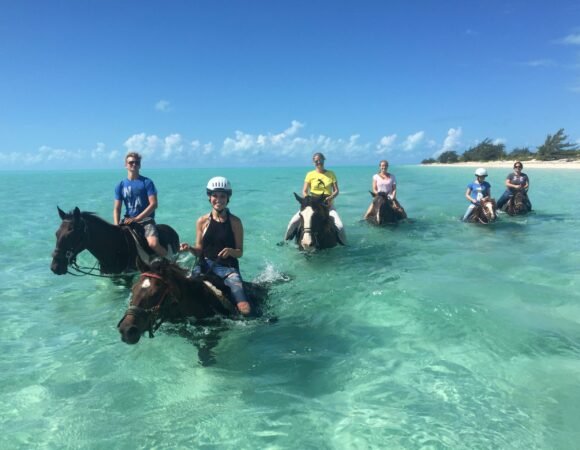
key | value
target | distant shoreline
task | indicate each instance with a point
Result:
(533, 164)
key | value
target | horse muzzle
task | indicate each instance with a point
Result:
(130, 333)
(59, 266)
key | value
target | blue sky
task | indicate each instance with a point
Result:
(266, 82)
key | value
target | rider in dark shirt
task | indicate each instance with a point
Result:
(514, 182)
(219, 242)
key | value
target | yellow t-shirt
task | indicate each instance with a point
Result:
(320, 183)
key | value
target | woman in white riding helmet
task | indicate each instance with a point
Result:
(476, 191)
(219, 242)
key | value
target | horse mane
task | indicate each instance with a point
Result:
(167, 269)
(91, 216)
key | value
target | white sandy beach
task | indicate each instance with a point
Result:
(533, 164)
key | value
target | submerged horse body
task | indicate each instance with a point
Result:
(484, 212)
(385, 210)
(165, 293)
(316, 229)
(518, 204)
(114, 247)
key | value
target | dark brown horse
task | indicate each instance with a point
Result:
(113, 246)
(485, 211)
(518, 204)
(164, 293)
(385, 211)
(316, 229)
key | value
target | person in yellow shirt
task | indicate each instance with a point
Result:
(318, 182)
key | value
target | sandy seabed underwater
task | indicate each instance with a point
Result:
(433, 334)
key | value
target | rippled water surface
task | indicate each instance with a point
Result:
(433, 334)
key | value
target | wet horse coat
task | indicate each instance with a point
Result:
(518, 204)
(165, 293)
(385, 211)
(114, 247)
(316, 229)
(485, 212)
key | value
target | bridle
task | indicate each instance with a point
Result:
(70, 255)
(484, 212)
(152, 316)
(308, 230)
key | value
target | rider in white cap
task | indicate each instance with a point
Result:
(219, 242)
(476, 191)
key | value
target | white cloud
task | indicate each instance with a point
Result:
(386, 144)
(571, 39)
(172, 146)
(540, 63)
(498, 141)
(163, 106)
(413, 140)
(451, 142)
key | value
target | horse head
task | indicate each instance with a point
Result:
(517, 204)
(382, 210)
(314, 220)
(487, 210)
(71, 239)
(152, 297)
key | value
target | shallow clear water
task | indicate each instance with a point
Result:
(432, 334)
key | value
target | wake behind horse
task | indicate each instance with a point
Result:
(385, 210)
(485, 212)
(114, 247)
(164, 293)
(316, 229)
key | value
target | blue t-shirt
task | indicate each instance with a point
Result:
(135, 194)
(478, 191)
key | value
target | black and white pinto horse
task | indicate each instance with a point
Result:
(316, 229)
(115, 247)
(485, 212)
(385, 210)
(518, 204)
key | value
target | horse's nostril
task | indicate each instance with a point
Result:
(131, 336)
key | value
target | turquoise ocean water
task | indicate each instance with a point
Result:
(434, 334)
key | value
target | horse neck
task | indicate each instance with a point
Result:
(191, 294)
(104, 239)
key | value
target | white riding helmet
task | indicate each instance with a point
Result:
(219, 184)
(481, 172)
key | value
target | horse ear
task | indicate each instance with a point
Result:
(77, 213)
(372, 193)
(300, 199)
(61, 213)
(141, 265)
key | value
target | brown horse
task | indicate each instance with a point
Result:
(518, 204)
(113, 246)
(316, 229)
(485, 211)
(385, 210)
(165, 293)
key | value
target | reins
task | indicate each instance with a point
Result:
(151, 315)
(80, 271)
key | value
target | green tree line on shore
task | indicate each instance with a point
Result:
(554, 148)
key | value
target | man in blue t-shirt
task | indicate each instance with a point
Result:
(139, 195)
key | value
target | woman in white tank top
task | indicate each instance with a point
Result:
(383, 182)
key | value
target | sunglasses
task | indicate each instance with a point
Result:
(518, 167)
(318, 161)
(134, 163)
